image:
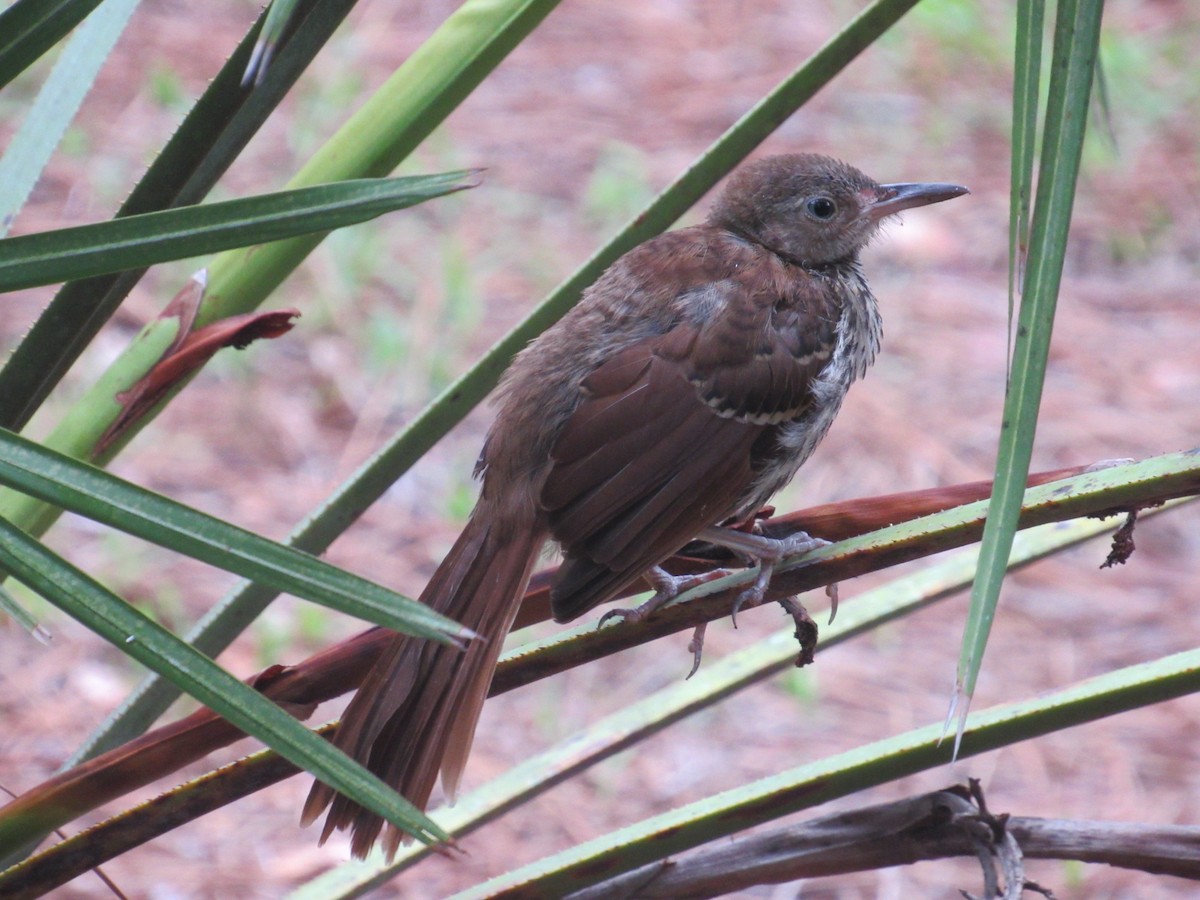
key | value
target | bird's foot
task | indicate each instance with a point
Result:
(666, 588)
(767, 552)
(757, 549)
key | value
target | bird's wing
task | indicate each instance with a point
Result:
(673, 432)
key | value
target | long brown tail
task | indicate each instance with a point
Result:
(417, 709)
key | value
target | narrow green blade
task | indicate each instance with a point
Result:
(136, 241)
(1076, 44)
(94, 493)
(1027, 70)
(29, 28)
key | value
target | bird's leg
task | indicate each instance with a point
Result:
(757, 549)
(767, 552)
(666, 588)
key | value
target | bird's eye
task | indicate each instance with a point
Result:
(822, 207)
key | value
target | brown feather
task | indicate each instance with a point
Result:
(671, 429)
(597, 569)
(417, 710)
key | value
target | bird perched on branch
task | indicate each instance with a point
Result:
(688, 386)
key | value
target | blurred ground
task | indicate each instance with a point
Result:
(602, 107)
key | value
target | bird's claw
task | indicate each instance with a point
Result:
(631, 614)
(696, 646)
(749, 598)
(831, 591)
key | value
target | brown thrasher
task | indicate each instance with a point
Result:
(688, 386)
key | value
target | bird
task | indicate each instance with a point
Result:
(689, 384)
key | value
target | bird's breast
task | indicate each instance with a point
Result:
(844, 357)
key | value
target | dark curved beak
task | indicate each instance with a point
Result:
(894, 198)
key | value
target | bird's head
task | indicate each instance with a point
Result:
(814, 210)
